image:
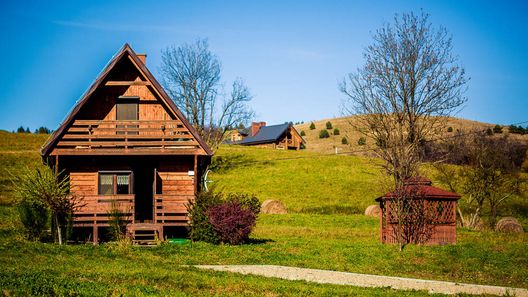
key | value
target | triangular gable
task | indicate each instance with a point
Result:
(125, 50)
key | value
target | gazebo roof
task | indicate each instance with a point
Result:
(421, 187)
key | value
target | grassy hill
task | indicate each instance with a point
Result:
(17, 151)
(344, 124)
(325, 195)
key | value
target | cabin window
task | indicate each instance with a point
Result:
(118, 183)
(127, 109)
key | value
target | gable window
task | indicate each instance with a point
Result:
(115, 183)
(127, 109)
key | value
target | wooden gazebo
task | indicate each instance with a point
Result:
(439, 204)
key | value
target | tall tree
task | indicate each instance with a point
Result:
(191, 74)
(409, 84)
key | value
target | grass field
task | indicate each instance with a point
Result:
(323, 230)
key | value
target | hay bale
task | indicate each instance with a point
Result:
(373, 211)
(510, 225)
(273, 207)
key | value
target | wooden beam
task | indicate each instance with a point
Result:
(121, 152)
(113, 83)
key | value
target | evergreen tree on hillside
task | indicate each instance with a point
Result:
(312, 126)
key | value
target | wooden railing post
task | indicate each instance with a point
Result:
(126, 136)
(90, 131)
(163, 136)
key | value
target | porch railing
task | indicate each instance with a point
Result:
(97, 209)
(171, 210)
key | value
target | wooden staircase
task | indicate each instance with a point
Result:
(145, 233)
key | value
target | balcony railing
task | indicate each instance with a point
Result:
(107, 135)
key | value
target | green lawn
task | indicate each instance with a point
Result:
(304, 181)
(322, 231)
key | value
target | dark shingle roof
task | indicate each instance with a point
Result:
(266, 134)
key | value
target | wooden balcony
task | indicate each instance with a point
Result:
(171, 210)
(127, 137)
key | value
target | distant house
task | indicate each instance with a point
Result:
(238, 135)
(282, 136)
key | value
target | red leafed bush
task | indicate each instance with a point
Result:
(231, 222)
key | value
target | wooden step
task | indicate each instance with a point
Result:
(145, 233)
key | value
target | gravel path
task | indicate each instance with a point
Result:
(365, 280)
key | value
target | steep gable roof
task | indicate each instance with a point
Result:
(126, 50)
(267, 134)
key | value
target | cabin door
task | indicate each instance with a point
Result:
(144, 192)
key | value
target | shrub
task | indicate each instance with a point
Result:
(34, 217)
(199, 227)
(312, 126)
(497, 129)
(516, 129)
(336, 131)
(50, 190)
(328, 125)
(449, 129)
(362, 141)
(215, 217)
(344, 140)
(118, 223)
(489, 132)
(324, 134)
(302, 133)
(231, 222)
(249, 202)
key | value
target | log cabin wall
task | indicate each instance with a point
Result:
(174, 187)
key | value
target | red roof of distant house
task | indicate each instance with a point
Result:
(422, 187)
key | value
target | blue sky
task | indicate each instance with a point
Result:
(291, 54)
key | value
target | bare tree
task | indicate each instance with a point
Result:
(489, 177)
(492, 175)
(191, 74)
(412, 215)
(409, 84)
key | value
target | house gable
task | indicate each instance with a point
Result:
(93, 126)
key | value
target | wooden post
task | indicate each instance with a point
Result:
(95, 234)
(56, 164)
(195, 175)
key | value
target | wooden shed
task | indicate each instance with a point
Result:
(439, 204)
(126, 145)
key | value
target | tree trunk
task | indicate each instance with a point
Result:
(462, 219)
(59, 233)
(493, 217)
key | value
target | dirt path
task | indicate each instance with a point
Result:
(365, 280)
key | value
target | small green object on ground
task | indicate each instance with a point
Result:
(178, 240)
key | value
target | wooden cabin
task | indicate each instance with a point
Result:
(238, 135)
(441, 206)
(126, 146)
(283, 136)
